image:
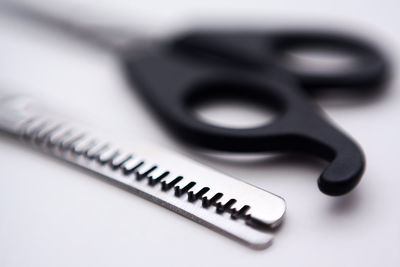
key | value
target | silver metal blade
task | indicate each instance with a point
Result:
(227, 205)
(113, 38)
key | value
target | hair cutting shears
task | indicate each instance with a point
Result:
(175, 74)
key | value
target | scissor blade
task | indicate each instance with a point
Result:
(114, 38)
(227, 205)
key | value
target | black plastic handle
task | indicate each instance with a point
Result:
(368, 70)
(174, 78)
(266, 50)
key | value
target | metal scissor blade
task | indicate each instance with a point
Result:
(224, 204)
(106, 37)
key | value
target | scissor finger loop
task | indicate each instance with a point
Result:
(205, 65)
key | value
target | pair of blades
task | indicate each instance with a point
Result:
(227, 205)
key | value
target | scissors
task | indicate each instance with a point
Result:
(175, 74)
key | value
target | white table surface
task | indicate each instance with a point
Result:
(54, 215)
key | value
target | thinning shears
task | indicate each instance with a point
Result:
(175, 74)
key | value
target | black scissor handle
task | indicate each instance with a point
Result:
(369, 68)
(259, 50)
(171, 84)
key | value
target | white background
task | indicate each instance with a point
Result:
(54, 215)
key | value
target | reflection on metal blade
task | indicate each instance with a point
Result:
(227, 205)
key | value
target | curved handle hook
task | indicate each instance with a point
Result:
(321, 138)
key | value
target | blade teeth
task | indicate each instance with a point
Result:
(144, 170)
(131, 165)
(29, 125)
(83, 146)
(60, 136)
(24, 127)
(221, 202)
(240, 213)
(171, 176)
(210, 193)
(119, 160)
(165, 186)
(236, 207)
(70, 140)
(43, 134)
(107, 155)
(33, 127)
(196, 192)
(96, 150)
(207, 202)
(183, 188)
(157, 176)
(225, 207)
(199, 195)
